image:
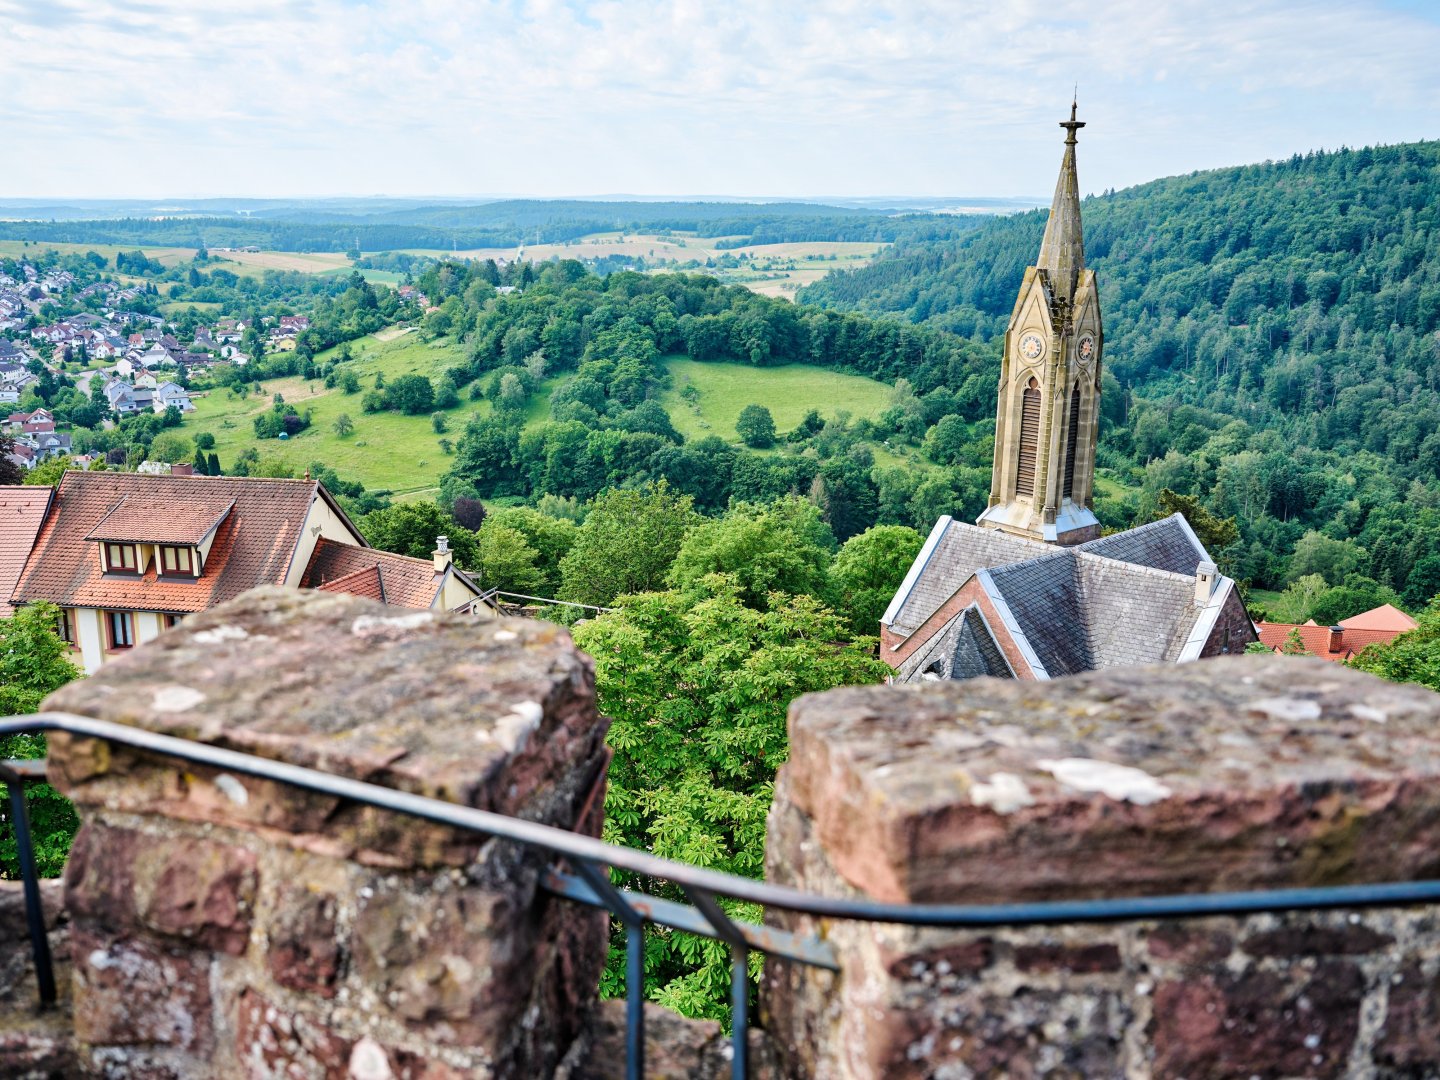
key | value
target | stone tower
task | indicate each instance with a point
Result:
(1049, 407)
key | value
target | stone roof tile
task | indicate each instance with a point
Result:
(1167, 544)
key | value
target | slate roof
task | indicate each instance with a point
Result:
(154, 519)
(403, 581)
(1167, 544)
(254, 544)
(1123, 599)
(963, 649)
(957, 553)
(22, 512)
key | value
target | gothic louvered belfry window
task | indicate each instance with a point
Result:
(1029, 438)
(1071, 441)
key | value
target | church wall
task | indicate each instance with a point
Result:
(969, 593)
(1233, 629)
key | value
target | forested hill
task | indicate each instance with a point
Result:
(1276, 325)
(497, 224)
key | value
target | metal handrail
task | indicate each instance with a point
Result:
(592, 860)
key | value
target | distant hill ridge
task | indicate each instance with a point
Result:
(339, 225)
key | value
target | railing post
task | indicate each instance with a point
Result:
(731, 934)
(30, 878)
(598, 878)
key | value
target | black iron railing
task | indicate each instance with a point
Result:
(592, 860)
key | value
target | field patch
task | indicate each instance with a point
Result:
(388, 451)
(770, 269)
(706, 398)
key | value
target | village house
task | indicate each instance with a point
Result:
(1378, 626)
(1033, 591)
(126, 555)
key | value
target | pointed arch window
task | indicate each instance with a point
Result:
(1072, 441)
(1029, 439)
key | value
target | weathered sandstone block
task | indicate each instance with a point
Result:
(1234, 774)
(229, 927)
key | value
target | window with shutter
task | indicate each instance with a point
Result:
(1029, 440)
(1072, 441)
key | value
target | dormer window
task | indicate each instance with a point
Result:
(120, 559)
(172, 533)
(177, 561)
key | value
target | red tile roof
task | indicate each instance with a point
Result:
(254, 544)
(1385, 617)
(405, 582)
(363, 582)
(22, 512)
(154, 519)
(1317, 639)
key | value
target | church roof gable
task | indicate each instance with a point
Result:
(1043, 597)
(950, 557)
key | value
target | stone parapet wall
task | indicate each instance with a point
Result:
(1235, 774)
(225, 927)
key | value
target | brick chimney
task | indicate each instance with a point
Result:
(1337, 638)
(1207, 576)
(183, 468)
(441, 554)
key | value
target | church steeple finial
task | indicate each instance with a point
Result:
(1062, 252)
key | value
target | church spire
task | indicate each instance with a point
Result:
(1047, 412)
(1062, 252)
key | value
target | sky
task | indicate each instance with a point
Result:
(184, 98)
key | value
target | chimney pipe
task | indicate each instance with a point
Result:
(1337, 638)
(1207, 576)
(441, 554)
(183, 468)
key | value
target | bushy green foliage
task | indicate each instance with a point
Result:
(34, 662)
(756, 427)
(1353, 598)
(868, 570)
(697, 685)
(782, 548)
(628, 541)
(411, 528)
(548, 538)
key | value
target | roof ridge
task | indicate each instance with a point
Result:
(1141, 567)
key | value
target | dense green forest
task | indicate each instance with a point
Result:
(600, 343)
(498, 224)
(1273, 329)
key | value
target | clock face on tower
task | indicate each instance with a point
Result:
(1031, 346)
(1086, 348)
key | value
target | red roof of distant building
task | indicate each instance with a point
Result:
(402, 580)
(253, 545)
(22, 512)
(363, 582)
(142, 519)
(1323, 641)
(1385, 617)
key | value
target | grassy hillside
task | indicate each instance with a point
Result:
(390, 451)
(387, 450)
(720, 391)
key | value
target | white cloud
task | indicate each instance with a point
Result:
(268, 96)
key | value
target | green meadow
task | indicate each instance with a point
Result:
(392, 452)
